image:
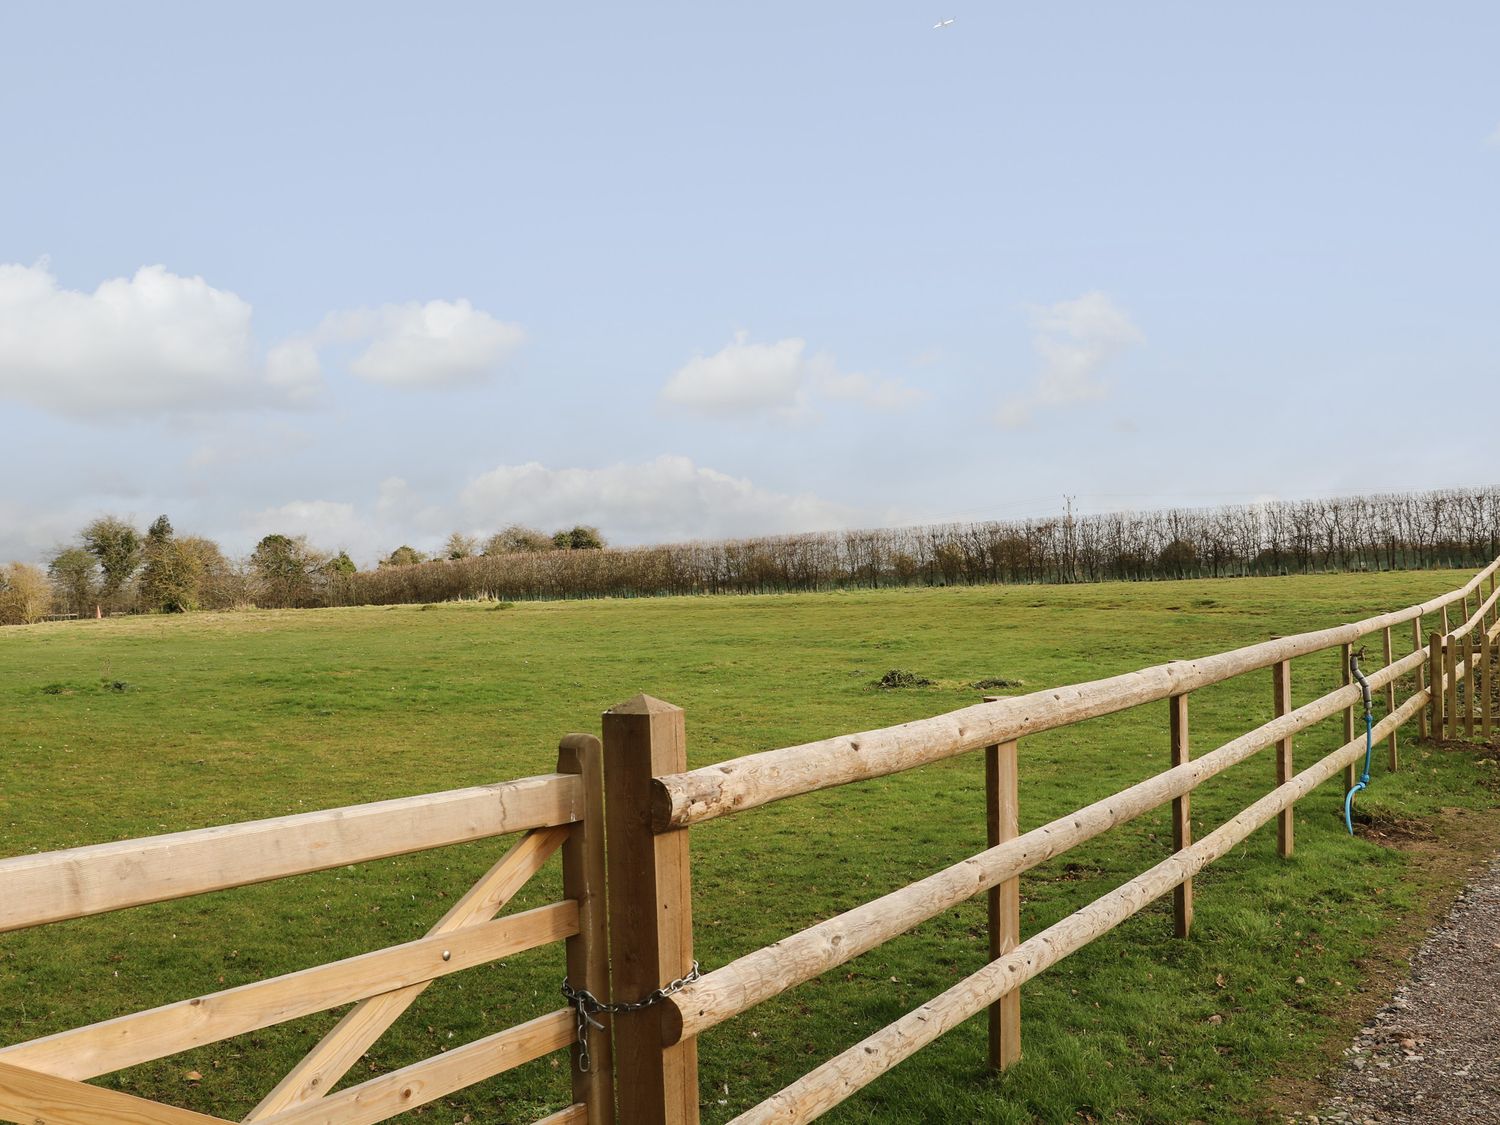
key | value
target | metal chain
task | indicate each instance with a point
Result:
(586, 1005)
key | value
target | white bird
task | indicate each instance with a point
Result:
(942, 24)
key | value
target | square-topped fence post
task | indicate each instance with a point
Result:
(650, 912)
(1281, 695)
(1002, 823)
(588, 950)
(1435, 683)
(1450, 680)
(1182, 824)
(1416, 643)
(1469, 687)
(1351, 771)
(1390, 704)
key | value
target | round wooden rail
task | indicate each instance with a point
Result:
(846, 1073)
(767, 972)
(683, 799)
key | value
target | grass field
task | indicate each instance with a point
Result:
(137, 726)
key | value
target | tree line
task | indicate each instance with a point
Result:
(114, 568)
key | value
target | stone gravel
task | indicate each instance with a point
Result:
(1432, 1055)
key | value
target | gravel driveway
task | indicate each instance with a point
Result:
(1432, 1055)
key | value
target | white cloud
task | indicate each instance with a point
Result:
(437, 344)
(669, 498)
(1494, 138)
(745, 378)
(1074, 340)
(156, 341)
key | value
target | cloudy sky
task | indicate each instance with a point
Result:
(376, 272)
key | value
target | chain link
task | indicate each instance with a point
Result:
(586, 1006)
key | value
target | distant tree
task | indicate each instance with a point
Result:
(159, 532)
(579, 538)
(340, 566)
(75, 579)
(220, 585)
(517, 539)
(403, 556)
(25, 594)
(1178, 557)
(282, 567)
(117, 546)
(172, 577)
(460, 546)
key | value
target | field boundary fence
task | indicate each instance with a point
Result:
(621, 811)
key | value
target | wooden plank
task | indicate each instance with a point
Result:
(692, 797)
(1486, 686)
(757, 976)
(115, 1044)
(843, 1075)
(1450, 681)
(1346, 654)
(1182, 823)
(1416, 643)
(575, 1114)
(54, 886)
(588, 951)
(1392, 755)
(28, 1097)
(650, 911)
(1002, 823)
(437, 1077)
(347, 1041)
(1435, 683)
(1281, 694)
(1469, 688)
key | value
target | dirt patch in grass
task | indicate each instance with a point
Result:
(1446, 853)
(901, 678)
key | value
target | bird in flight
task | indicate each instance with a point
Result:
(942, 24)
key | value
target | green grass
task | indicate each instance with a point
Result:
(138, 726)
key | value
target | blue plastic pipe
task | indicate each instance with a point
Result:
(1364, 781)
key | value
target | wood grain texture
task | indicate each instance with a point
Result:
(346, 1042)
(1281, 704)
(118, 1043)
(1002, 823)
(30, 1098)
(54, 886)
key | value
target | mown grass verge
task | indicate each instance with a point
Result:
(226, 717)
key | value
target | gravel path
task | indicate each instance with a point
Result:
(1432, 1055)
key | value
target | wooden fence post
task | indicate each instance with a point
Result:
(1390, 704)
(588, 950)
(650, 911)
(1281, 692)
(1002, 822)
(1416, 643)
(1351, 771)
(1005, 902)
(1182, 825)
(1469, 688)
(1435, 682)
(1486, 687)
(1450, 680)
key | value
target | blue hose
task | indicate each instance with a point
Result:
(1364, 780)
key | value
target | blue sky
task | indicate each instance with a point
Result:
(377, 273)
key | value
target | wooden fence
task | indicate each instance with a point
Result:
(621, 814)
(43, 1080)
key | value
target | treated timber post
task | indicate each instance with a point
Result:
(1435, 683)
(1002, 822)
(1182, 826)
(650, 911)
(588, 950)
(1281, 691)
(1416, 643)
(1469, 688)
(1450, 674)
(1390, 703)
(1351, 772)
(1486, 689)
